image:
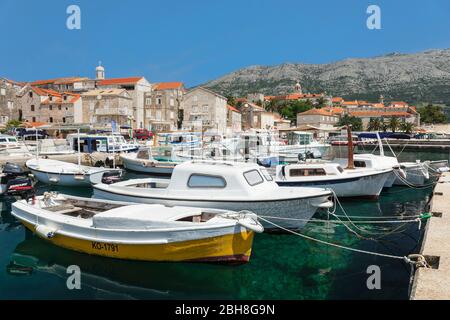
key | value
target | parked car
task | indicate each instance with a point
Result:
(142, 134)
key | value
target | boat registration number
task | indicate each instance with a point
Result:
(110, 247)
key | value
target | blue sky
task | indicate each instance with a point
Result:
(199, 40)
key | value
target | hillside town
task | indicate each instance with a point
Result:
(136, 103)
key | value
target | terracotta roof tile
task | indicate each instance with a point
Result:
(119, 81)
(168, 85)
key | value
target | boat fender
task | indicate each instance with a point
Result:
(45, 232)
(251, 224)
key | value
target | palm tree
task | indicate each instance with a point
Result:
(374, 124)
(394, 124)
(407, 127)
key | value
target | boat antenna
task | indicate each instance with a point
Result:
(37, 144)
(380, 145)
(79, 152)
(351, 163)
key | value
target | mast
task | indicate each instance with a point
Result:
(380, 145)
(79, 153)
(351, 163)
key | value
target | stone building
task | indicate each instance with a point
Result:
(317, 118)
(205, 110)
(136, 87)
(103, 106)
(256, 117)
(163, 107)
(234, 120)
(43, 105)
(9, 106)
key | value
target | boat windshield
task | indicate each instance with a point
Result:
(253, 177)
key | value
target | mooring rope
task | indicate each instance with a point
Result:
(413, 259)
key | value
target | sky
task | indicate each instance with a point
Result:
(200, 40)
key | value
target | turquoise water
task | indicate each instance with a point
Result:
(281, 266)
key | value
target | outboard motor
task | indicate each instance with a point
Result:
(301, 157)
(21, 187)
(111, 177)
(12, 169)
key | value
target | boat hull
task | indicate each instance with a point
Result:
(353, 187)
(68, 180)
(227, 248)
(415, 175)
(278, 211)
(157, 169)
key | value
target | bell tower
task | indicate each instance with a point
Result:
(100, 72)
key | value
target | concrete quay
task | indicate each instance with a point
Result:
(434, 283)
(86, 159)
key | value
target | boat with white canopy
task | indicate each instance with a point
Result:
(139, 231)
(143, 161)
(223, 185)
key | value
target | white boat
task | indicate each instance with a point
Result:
(68, 174)
(139, 231)
(302, 143)
(357, 183)
(108, 143)
(143, 161)
(10, 147)
(416, 174)
(223, 185)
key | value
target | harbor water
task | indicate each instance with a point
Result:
(282, 266)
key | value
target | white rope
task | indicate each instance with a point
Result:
(404, 258)
(412, 186)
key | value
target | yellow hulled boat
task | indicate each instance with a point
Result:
(139, 231)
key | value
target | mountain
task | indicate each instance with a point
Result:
(419, 77)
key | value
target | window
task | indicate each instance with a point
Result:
(32, 107)
(65, 98)
(59, 107)
(3, 91)
(158, 114)
(253, 177)
(172, 102)
(50, 107)
(33, 119)
(194, 109)
(30, 94)
(359, 164)
(340, 169)
(64, 120)
(148, 101)
(205, 181)
(10, 105)
(50, 120)
(158, 101)
(307, 172)
(205, 108)
(266, 175)
(172, 114)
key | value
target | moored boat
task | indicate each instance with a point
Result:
(68, 174)
(144, 162)
(139, 231)
(356, 183)
(224, 185)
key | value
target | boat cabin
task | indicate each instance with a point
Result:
(227, 178)
(100, 143)
(305, 170)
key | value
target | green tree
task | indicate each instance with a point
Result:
(231, 100)
(321, 102)
(407, 127)
(375, 124)
(432, 114)
(394, 124)
(355, 122)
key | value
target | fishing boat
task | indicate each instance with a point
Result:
(302, 142)
(223, 185)
(68, 174)
(362, 183)
(139, 231)
(416, 174)
(144, 162)
(108, 143)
